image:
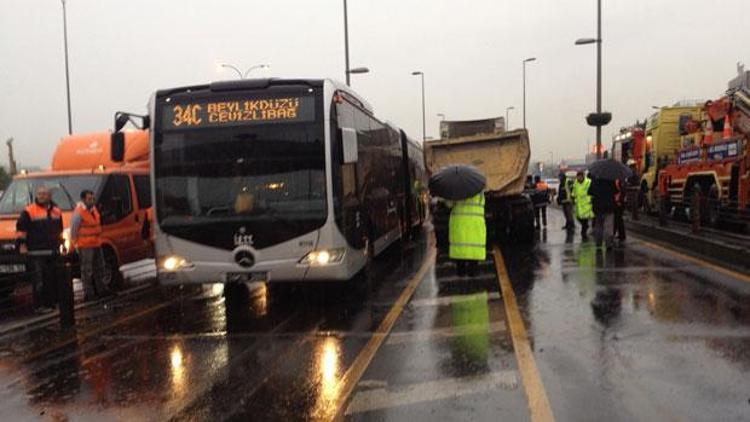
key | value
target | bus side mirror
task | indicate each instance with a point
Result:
(349, 145)
(117, 146)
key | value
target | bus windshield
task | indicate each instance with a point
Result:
(65, 191)
(242, 173)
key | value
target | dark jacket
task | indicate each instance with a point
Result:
(602, 194)
(40, 228)
(564, 189)
(540, 197)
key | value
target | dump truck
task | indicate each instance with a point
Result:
(503, 157)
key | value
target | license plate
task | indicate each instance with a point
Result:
(246, 277)
(12, 268)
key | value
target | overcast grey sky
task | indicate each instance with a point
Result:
(656, 52)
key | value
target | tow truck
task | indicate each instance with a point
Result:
(714, 161)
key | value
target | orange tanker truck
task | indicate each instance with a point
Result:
(81, 162)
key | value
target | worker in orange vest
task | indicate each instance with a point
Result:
(540, 199)
(85, 234)
(38, 237)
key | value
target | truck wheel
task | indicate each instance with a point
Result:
(112, 265)
(680, 214)
(712, 207)
(6, 291)
(696, 209)
(646, 199)
(523, 231)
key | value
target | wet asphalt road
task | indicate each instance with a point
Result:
(629, 334)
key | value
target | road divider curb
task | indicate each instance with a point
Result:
(699, 246)
(717, 268)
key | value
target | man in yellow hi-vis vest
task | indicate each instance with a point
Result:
(582, 200)
(467, 235)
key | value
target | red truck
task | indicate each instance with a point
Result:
(714, 161)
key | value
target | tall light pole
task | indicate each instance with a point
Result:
(355, 71)
(247, 72)
(599, 118)
(507, 117)
(424, 120)
(530, 59)
(67, 72)
(346, 45)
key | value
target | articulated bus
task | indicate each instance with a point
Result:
(277, 180)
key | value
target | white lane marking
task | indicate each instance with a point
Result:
(443, 333)
(429, 391)
(447, 300)
(577, 269)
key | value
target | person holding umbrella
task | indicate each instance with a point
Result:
(464, 186)
(604, 190)
(582, 201)
(620, 210)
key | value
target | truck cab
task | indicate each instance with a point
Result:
(662, 140)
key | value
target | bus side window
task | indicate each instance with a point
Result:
(349, 180)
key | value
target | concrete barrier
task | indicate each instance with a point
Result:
(731, 254)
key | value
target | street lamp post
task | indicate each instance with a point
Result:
(599, 118)
(424, 120)
(247, 72)
(530, 59)
(507, 117)
(346, 45)
(355, 71)
(67, 73)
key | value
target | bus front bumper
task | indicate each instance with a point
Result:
(270, 271)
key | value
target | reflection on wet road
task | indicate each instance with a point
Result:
(634, 333)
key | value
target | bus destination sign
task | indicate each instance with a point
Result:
(237, 111)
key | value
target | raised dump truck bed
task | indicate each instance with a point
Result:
(503, 157)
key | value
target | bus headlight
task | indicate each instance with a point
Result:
(65, 246)
(175, 263)
(323, 257)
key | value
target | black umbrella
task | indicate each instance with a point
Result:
(609, 169)
(457, 182)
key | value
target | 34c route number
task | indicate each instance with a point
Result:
(188, 115)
